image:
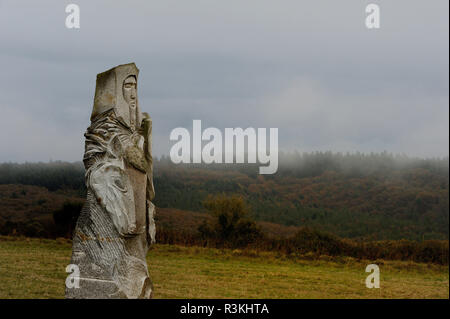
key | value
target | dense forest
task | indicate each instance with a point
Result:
(360, 196)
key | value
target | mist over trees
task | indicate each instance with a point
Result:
(362, 196)
(54, 176)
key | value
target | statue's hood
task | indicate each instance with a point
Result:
(109, 94)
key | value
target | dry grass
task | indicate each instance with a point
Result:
(35, 268)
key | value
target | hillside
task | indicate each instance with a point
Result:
(28, 209)
(371, 197)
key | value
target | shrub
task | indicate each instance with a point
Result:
(231, 225)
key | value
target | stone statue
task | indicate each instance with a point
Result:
(116, 225)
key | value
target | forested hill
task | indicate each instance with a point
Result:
(375, 196)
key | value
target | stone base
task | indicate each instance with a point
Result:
(90, 288)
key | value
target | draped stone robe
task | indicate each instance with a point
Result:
(116, 224)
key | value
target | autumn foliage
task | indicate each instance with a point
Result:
(375, 206)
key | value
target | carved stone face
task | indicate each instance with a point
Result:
(116, 89)
(129, 91)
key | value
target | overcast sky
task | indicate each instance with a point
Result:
(310, 68)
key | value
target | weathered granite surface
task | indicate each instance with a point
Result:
(116, 225)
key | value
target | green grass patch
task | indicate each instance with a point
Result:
(35, 268)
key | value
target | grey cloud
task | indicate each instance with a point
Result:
(310, 68)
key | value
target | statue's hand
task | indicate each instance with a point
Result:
(146, 127)
(146, 124)
(145, 116)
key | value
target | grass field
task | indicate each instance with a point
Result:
(35, 268)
